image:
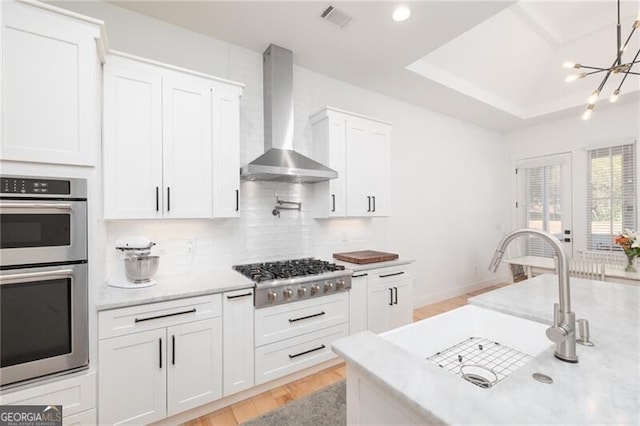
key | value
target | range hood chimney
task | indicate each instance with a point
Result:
(280, 163)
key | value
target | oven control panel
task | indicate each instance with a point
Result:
(286, 293)
(10, 185)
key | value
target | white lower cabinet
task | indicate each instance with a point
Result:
(168, 360)
(76, 393)
(237, 347)
(294, 336)
(381, 299)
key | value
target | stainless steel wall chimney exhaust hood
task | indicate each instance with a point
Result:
(280, 163)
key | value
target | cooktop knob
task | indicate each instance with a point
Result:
(339, 284)
(328, 287)
(302, 291)
(315, 289)
(287, 293)
(272, 296)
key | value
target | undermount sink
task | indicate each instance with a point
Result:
(480, 345)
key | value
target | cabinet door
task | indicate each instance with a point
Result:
(337, 161)
(132, 140)
(359, 178)
(237, 345)
(132, 378)
(187, 142)
(226, 151)
(49, 112)
(358, 303)
(380, 302)
(401, 312)
(194, 361)
(379, 173)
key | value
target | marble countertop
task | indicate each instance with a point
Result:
(602, 388)
(356, 267)
(173, 287)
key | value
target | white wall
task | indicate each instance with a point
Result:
(448, 177)
(574, 136)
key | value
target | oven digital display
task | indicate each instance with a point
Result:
(35, 321)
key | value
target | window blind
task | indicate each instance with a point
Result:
(611, 195)
(542, 207)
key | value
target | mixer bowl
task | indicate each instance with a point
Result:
(140, 269)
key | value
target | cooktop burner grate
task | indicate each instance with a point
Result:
(285, 269)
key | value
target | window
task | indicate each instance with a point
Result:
(611, 195)
(544, 201)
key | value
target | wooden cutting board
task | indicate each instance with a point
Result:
(365, 256)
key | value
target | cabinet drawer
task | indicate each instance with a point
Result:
(291, 355)
(75, 394)
(118, 322)
(86, 418)
(388, 275)
(294, 319)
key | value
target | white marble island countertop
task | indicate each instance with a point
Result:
(172, 287)
(602, 388)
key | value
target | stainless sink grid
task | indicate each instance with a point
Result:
(480, 352)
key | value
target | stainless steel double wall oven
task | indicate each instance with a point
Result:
(43, 277)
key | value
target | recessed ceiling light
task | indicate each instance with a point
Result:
(401, 13)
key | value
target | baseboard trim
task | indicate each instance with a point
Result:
(458, 291)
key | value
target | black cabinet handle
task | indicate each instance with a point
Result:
(390, 297)
(157, 199)
(239, 295)
(168, 198)
(173, 350)
(567, 240)
(237, 199)
(307, 317)
(308, 352)
(333, 202)
(165, 316)
(369, 201)
(391, 275)
(358, 276)
(395, 298)
(160, 350)
(374, 203)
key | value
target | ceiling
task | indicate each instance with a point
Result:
(496, 64)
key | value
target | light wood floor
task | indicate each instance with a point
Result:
(270, 400)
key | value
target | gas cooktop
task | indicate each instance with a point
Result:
(284, 269)
(294, 280)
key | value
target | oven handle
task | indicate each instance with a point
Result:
(62, 206)
(61, 272)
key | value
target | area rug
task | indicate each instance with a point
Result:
(327, 407)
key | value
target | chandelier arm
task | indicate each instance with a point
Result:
(629, 70)
(620, 50)
(619, 37)
(593, 68)
(598, 71)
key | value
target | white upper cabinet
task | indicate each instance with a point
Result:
(50, 80)
(357, 147)
(171, 145)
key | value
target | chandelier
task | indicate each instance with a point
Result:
(618, 67)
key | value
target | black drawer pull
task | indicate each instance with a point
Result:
(308, 352)
(190, 311)
(239, 295)
(173, 350)
(391, 275)
(307, 317)
(358, 276)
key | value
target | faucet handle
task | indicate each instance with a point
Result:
(557, 333)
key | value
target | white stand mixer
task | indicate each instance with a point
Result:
(135, 265)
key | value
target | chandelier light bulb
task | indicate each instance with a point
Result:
(587, 114)
(614, 97)
(574, 77)
(569, 64)
(594, 97)
(401, 13)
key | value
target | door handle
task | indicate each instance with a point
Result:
(237, 199)
(157, 199)
(395, 298)
(61, 206)
(390, 297)
(168, 198)
(369, 201)
(333, 202)
(160, 351)
(173, 350)
(28, 275)
(374, 203)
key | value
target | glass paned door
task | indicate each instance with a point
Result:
(544, 201)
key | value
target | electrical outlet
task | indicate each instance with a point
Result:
(190, 246)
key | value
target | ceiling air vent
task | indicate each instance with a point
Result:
(336, 16)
